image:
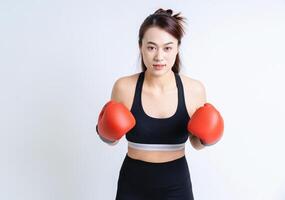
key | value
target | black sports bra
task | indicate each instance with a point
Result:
(151, 133)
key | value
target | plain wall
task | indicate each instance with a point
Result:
(60, 59)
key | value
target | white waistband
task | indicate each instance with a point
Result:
(158, 147)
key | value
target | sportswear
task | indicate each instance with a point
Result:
(151, 133)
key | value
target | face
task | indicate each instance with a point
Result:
(159, 50)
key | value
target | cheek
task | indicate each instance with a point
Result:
(171, 57)
(147, 56)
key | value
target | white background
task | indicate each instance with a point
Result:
(60, 59)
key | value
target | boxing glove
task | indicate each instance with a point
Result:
(114, 121)
(207, 124)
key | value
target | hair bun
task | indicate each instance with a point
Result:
(164, 12)
(169, 12)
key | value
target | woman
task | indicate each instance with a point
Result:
(153, 110)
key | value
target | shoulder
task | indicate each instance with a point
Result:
(195, 91)
(195, 85)
(123, 88)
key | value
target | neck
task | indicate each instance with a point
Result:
(160, 83)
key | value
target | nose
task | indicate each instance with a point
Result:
(159, 56)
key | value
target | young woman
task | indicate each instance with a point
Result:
(153, 109)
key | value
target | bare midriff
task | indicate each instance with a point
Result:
(155, 156)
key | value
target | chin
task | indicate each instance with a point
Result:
(159, 72)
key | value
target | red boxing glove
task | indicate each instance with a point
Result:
(207, 124)
(114, 121)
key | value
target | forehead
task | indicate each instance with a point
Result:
(158, 35)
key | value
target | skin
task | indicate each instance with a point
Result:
(159, 88)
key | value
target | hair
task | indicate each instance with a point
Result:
(170, 23)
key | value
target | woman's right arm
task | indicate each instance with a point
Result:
(117, 96)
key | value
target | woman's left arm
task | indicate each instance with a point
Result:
(206, 124)
(200, 99)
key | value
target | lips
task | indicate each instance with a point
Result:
(158, 66)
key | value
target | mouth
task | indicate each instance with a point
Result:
(158, 66)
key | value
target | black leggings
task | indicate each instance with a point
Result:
(140, 180)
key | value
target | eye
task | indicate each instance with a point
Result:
(168, 48)
(150, 48)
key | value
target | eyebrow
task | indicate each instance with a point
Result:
(156, 44)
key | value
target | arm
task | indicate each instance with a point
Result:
(206, 124)
(116, 96)
(200, 99)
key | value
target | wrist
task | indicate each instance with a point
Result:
(196, 142)
(104, 139)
